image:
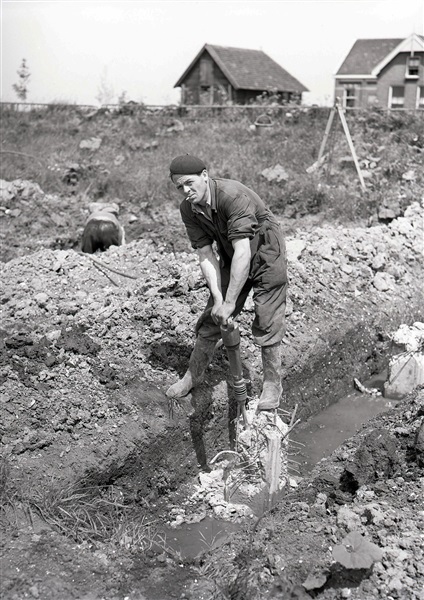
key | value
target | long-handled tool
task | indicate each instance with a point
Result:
(231, 339)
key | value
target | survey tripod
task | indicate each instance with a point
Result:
(337, 108)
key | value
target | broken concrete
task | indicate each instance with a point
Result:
(406, 368)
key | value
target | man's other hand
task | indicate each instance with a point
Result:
(221, 313)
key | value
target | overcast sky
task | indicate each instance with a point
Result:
(142, 47)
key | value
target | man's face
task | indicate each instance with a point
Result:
(193, 188)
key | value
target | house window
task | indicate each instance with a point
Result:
(206, 95)
(370, 93)
(397, 96)
(413, 67)
(349, 97)
(420, 97)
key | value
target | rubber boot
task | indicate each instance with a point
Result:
(272, 389)
(199, 360)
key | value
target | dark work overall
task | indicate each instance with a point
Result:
(236, 212)
(268, 278)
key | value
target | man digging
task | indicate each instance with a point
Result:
(252, 254)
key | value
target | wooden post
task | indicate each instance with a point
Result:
(351, 146)
(326, 134)
(230, 93)
(273, 467)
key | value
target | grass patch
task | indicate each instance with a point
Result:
(98, 514)
(131, 165)
(81, 513)
(9, 499)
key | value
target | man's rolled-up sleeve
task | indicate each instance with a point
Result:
(241, 215)
(197, 236)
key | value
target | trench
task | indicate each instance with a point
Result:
(315, 439)
(326, 431)
(151, 473)
(180, 449)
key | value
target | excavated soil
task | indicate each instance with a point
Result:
(88, 346)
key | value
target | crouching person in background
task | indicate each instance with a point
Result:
(102, 228)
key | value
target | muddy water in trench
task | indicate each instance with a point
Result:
(193, 539)
(327, 430)
(320, 436)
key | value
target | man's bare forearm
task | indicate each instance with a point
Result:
(210, 268)
(240, 267)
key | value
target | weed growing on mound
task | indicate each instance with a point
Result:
(80, 513)
(97, 514)
(9, 498)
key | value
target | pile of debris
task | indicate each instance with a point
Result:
(406, 368)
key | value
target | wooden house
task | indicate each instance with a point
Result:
(383, 72)
(219, 74)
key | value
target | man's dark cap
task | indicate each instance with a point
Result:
(186, 165)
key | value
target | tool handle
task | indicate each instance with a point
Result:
(230, 333)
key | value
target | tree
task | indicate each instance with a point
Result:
(21, 88)
(105, 91)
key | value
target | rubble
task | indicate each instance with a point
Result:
(276, 173)
(406, 368)
(91, 144)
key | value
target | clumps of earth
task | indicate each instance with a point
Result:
(87, 347)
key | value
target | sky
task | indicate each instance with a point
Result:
(77, 50)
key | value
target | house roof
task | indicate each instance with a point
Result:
(248, 70)
(367, 54)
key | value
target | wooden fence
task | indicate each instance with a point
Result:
(134, 106)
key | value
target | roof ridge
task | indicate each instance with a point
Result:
(374, 39)
(234, 48)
